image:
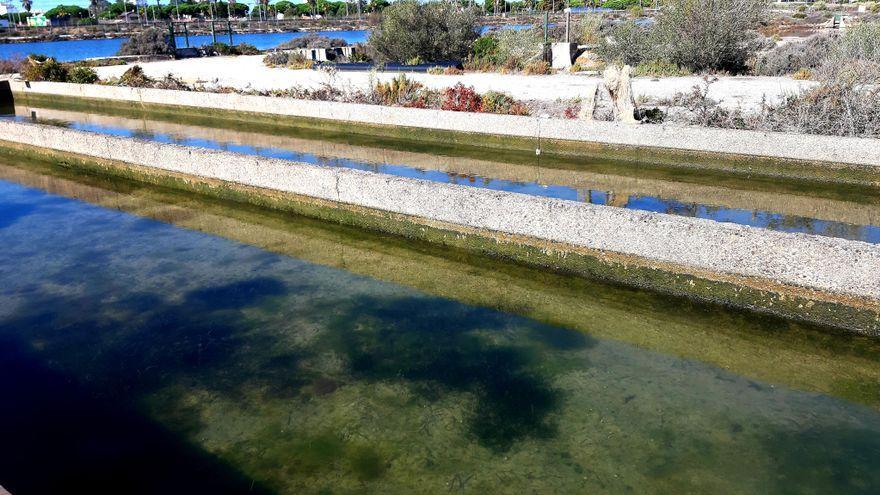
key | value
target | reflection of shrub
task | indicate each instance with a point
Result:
(83, 75)
(432, 31)
(150, 41)
(39, 68)
(461, 98)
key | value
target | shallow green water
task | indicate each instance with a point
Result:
(145, 355)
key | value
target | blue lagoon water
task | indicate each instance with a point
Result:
(71, 50)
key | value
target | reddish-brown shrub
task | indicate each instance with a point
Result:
(570, 112)
(461, 98)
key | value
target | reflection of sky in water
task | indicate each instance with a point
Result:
(763, 219)
(137, 346)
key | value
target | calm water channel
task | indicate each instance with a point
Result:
(850, 216)
(156, 342)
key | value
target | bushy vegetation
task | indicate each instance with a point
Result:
(82, 75)
(792, 57)
(150, 41)
(832, 108)
(506, 50)
(41, 68)
(219, 48)
(291, 60)
(696, 35)
(312, 40)
(11, 65)
(430, 32)
(630, 44)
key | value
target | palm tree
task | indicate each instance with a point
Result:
(265, 8)
(26, 4)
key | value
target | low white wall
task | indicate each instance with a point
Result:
(823, 263)
(851, 151)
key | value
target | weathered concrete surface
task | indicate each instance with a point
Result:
(834, 150)
(820, 263)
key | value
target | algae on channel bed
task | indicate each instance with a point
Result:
(311, 379)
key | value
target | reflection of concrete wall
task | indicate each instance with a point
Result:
(621, 186)
(831, 265)
(853, 151)
(777, 357)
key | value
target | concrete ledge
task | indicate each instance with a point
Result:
(834, 151)
(811, 267)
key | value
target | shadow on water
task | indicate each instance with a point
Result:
(70, 422)
(442, 346)
(58, 437)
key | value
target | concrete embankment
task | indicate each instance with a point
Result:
(820, 279)
(621, 182)
(814, 157)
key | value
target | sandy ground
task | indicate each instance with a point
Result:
(248, 72)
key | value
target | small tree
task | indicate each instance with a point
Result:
(430, 32)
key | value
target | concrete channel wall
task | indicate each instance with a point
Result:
(823, 264)
(835, 150)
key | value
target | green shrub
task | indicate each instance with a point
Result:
(620, 4)
(434, 31)
(485, 47)
(312, 40)
(516, 48)
(629, 43)
(83, 75)
(40, 68)
(276, 59)
(854, 57)
(792, 57)
(496, 102)
(135, 78)
(587, 30)
(247, 49)
(710, 34)
(398, 91)
(150, 41)
(536, 67)
(659, 68)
